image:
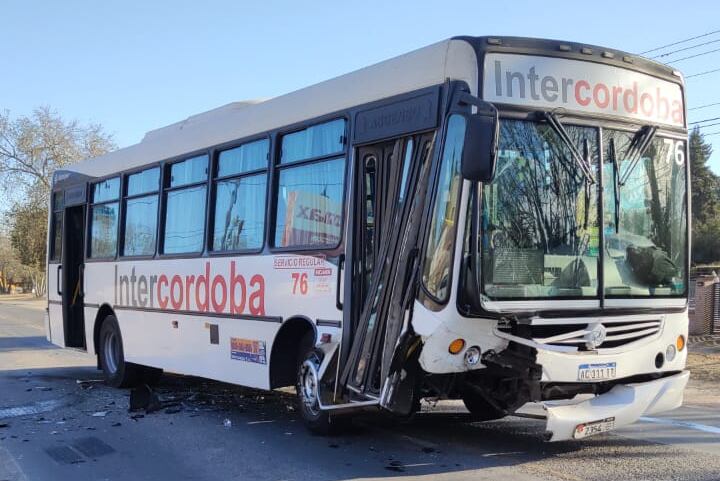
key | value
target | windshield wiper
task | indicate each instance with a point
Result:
(616, 182)
(640, 142)
(583, 161)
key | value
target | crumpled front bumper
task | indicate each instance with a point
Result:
(624, 403)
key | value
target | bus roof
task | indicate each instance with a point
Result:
(455, 59)
(431, 65)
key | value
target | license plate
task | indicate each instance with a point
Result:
(595, 427)
(597, 372)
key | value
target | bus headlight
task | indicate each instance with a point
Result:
(472, 356)
(670, 353)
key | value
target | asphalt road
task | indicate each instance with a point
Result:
(53, 427)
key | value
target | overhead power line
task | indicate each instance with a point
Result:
(707, 125)
(679, 42)
(711, 133)
(704, 120)
(704, 106)
(693, 56)
(703, 73)
(667, 54)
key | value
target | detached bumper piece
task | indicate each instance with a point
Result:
(622, 405)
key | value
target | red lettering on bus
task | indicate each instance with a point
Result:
(189, 281)
(644, 100)
(257, 298)
(176, 301)
(584, 85)
(203, 280)
(601, 89)
(219, 306)
(236, 280)
(627, 96)
(663, 109)
(162, 301)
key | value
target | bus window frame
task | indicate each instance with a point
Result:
(437, 155)
(56, 214)
(278, 167)
(214, 179)
(88, 217)
(164, 177)
(123, 211)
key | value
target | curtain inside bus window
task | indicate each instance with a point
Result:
(143, 182)
(246, 158)
(309, 204)
(189, 171)
(185, 220)
(140, 225)
(103, 235)
(316, 141)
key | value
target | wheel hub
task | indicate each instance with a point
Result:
(309, 387)
(112, 352)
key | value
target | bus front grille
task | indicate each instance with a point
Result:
(587, 335)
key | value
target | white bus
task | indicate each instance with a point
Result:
(494, 219)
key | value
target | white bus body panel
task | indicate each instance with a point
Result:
(165, 314)
(55, 328)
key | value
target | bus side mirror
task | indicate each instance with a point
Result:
(479, 154)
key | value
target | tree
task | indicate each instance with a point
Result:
(32, 148)
(705, 202)
(12, 272)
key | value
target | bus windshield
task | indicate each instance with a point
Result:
(645, 217)
(540, 217)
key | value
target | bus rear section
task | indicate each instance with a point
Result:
(505, 223)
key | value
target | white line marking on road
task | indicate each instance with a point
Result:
(35, 408)
(260, 422)
(684, 424)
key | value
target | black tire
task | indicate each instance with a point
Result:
(480, 409)
(117, 372)
(317, 421)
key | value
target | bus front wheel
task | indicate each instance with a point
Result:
(480, 409)
(308, 397)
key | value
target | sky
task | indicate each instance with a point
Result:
(133, 66)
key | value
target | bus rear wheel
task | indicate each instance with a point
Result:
(117, 372)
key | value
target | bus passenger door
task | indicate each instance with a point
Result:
(71, 276)
(388, 201)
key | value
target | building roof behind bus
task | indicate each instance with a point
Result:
(431, 65)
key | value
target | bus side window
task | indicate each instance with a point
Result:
(439, 249)
(240, 190)
(141, 210)
(185, 195)
(104, 214)
(311, 186)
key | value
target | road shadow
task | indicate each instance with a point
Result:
(9, 344)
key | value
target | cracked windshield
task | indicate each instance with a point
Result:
(645, 221)
(540, 214)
